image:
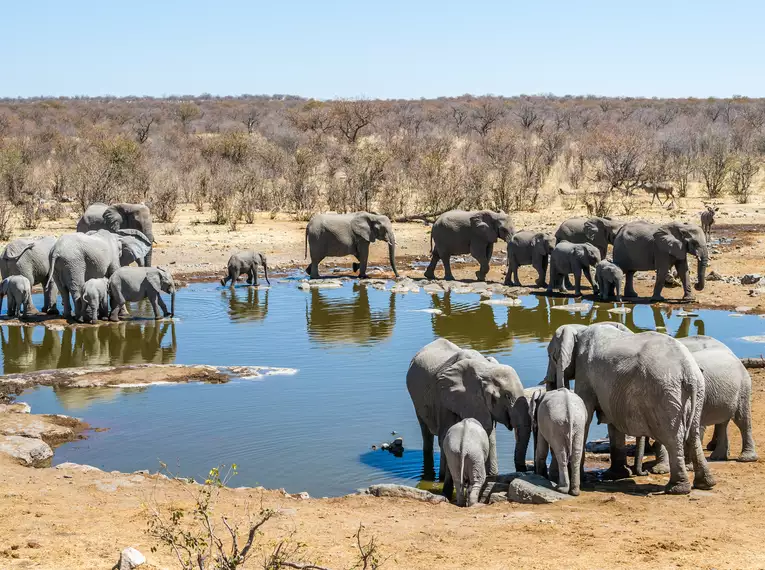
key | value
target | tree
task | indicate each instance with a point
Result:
(485, 116)
(142, 125)
(714, 162)
(351, 117)
(186, 112)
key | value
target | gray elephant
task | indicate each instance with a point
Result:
(727, 396)
(597, 231)
(610, 280)
(75, 258)
(19, 292)
(447, 384)
(337, 235)
(100, 216)
(458, 233)
(245, 262)
(131, 284)
(95, 300)
(645, 384)
(576, 258)
(466, 450)
(528, 248)
(558, 420)
(31, 258)
(642, 246)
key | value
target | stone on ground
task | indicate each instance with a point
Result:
(404, 492)
(28, 451)
(130, 558)
(533, 489)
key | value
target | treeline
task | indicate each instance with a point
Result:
(240, 155)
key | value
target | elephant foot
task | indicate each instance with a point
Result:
(617, 472)
(355, 267)
(747, 457)
(563, 490)
(520, 467)
(449, 278)
(688, 299)
(678, 488)
(641, 473)
(363, 276)
(660, 469)
(223, 282)
(52, 311)
(657, 299)
(704, 481)
(574, 491)
(712, 445)
(539, 284)
(114, 319)
(578, 293)
(719, 455)
(429, 275)
(480, 276)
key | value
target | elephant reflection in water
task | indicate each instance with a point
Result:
(247, 303)
(109, 344)
(332, 319)
(659, 316)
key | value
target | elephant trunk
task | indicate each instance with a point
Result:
(703, 261)
(147, 259)
(392, 255)
(172, 303)
(265, 273)
(522, 425)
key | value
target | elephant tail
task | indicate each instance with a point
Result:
(431, 242)
(305, 251)
(693, 410)
(462, 459)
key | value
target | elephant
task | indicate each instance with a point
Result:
(466, 450)
(576, 258)
(528, 248)
(75, 258)
(336, 235)
(610, 280)
(643, 246)
(131, 284)
(342, 320)
(95, 300)
(558, 421)
(19, 292)
(31, 258)
(447, 384)
(245, 262)
(728, 392)
(645, 384)
(458, 232)
(100, 216)
(597, 231)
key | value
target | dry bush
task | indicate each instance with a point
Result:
(6, 218)
(166, 196)
(714, 163)
(743, 170)
(53, 211)
(15, 169)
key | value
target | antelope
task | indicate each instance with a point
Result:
(708, 219)
(656, 189)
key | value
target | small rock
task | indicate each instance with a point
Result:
(743, 309)
(751, 278)
(402, 491)
(303, 495)
(16, 408)
(533, 489)
(33, 544)
(505, 301)
(130, 558)
(714, 276)
(28, 451)
(498, 497)
(620, 310)
(574, 307)
(77, 467)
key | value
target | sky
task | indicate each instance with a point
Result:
(382, 49)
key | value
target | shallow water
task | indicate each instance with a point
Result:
(314, 430)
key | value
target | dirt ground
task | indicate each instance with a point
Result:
(66, 518)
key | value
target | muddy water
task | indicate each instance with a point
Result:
(314, 430)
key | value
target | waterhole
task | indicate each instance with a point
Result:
(314, 430)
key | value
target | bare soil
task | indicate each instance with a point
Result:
(66, 518)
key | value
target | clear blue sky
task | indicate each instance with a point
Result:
(386, 49)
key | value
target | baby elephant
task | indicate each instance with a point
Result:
(136, 283)
(558, 419)
(245, 262)
(466, 448)
(576, 258)
(528, 248)
(19, 292)
(610, 279)
(95, 300)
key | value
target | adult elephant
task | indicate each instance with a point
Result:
(448, 384)
(31, 258)
(643, 246)
(645, 384)
(458, 233)
(597, 231)
(337, 235)
(101, 216)
(75, 258)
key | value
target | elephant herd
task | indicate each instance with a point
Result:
(88, 268)
(644, 384)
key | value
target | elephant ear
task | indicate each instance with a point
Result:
(482, 229)
(113, 218)
(133, 246)
(155, 279)
(561, 352)
(668, 243)
(591, 230)
(541, 245)
(362, 228)
(463, 393)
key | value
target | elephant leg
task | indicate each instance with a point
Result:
(629, 285)
(512, 273)
(743, 421)
(78, 304)
(662, 459)
(430, 272)
(577, 452)
(442, 468)
(662, 270)
(702, 475)
(618, 468)
(117, 302)
(254, 276)
(477, 479)
(578, 281)
(678, 484)
(618, 290)
(315, 266)
(161, 302)
(363, 257)
(682, 274)
(65, 300)
(639, 455)
(428, 468)
(447, 261)
(449, 481)
(567, 283)
(563, 465)
(722, 445)
(554, 472)
(588, 275)
(712, 442)
(480, 252)
(492, 464)
(540, 455)
(49, 299)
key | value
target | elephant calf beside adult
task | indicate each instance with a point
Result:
(597, 231)
(448, 384)
(643, 246)
(100, 216)
(338, 235)
(31, 258)
(458, 233)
